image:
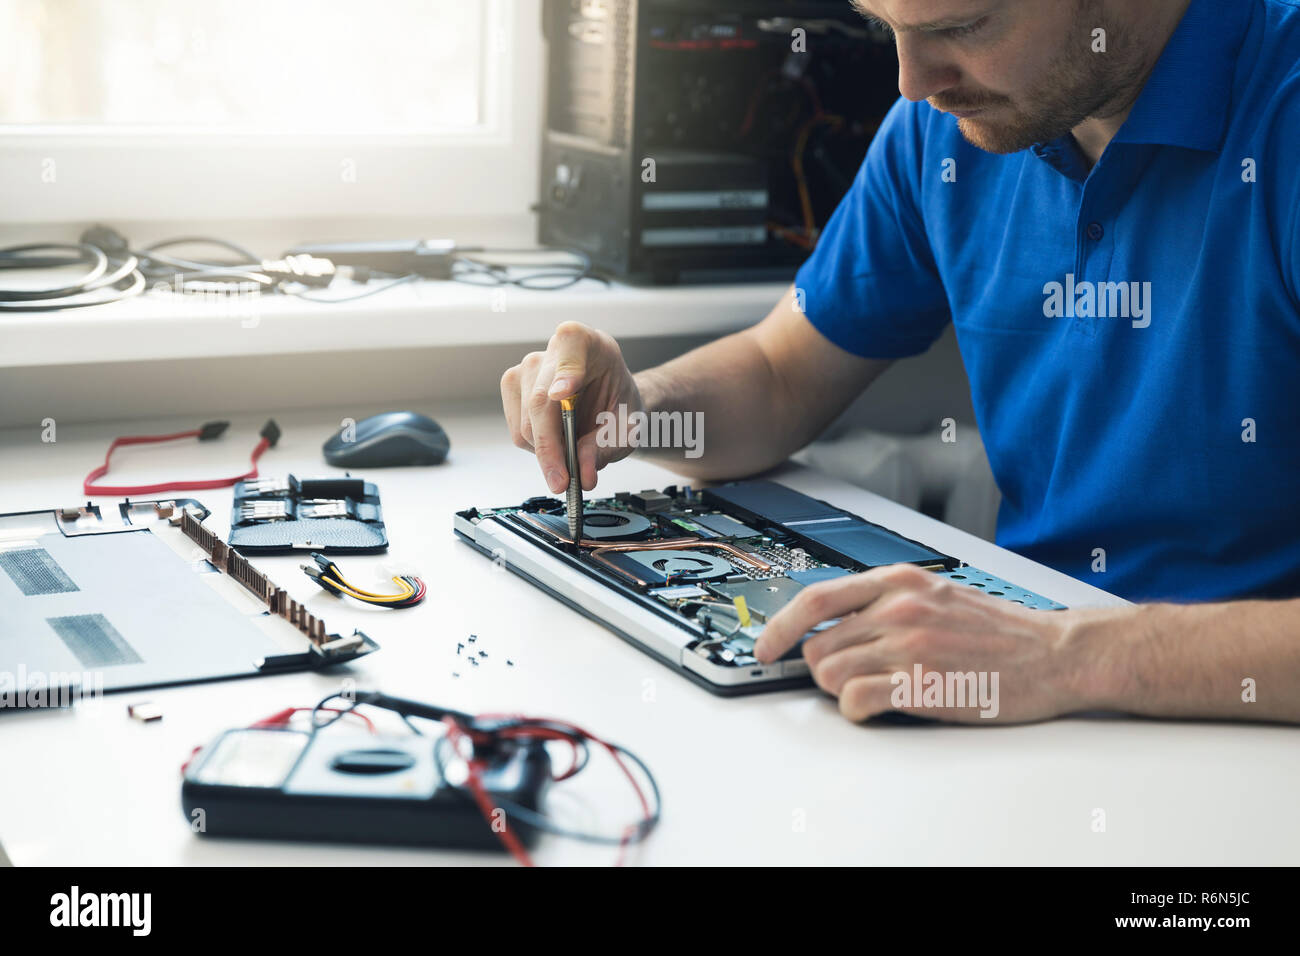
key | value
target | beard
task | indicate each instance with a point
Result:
(1083, 84)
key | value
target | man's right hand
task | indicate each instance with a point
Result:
(578, 359)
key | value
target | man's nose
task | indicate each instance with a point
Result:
(922, 70)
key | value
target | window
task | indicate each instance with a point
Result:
(408, 66)
(219, 109)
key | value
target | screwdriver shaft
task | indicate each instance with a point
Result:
(573, 499)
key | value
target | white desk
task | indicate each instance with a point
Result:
(770, 779)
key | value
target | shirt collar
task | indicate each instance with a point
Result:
(1187, 98)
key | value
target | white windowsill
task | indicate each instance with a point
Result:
(417, 314)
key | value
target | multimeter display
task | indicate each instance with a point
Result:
(252, 758)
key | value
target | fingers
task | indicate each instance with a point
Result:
(866, 696)
(546, 429)
(533, 418)
(576, 357)
(530, 393)
(588, 460)
(516, 383)
(833, 672)
(898, 609)
(570, 350)
(869, 695)
(510, 405)
(852, 629)
(832, 599)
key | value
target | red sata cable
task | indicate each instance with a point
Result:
(270, 435)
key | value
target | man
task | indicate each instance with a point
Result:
(1103, 197)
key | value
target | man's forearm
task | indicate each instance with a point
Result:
(1238, 660)
(729, 385)
(758, 395)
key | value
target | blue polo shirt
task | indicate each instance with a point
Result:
(1131, 332)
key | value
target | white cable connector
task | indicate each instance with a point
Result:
(396, 566)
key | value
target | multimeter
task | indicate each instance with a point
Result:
(351, 787)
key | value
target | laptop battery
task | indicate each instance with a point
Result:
(828, 532)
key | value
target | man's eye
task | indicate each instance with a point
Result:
(968, 29)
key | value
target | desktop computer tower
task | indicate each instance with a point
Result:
(708, 139)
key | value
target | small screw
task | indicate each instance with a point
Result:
(454, 674)
(459, 648)
(473, 661)
(510, 663)
(482, 653)
(473, 638)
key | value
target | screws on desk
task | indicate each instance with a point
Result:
(474, 661)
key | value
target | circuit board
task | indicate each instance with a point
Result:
(721, 562)
(328, 515)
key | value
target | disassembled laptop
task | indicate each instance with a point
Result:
(692, 576)
(102, 598)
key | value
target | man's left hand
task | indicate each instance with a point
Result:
(895, 617)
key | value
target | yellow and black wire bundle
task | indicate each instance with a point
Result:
(329, 577)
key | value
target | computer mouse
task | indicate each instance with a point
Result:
(392, 438)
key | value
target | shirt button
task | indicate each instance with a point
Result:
(1096, 231)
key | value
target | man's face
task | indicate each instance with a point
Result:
(1014, 72)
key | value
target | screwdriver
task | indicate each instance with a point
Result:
(573, 500)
